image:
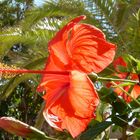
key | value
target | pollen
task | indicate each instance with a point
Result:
(7, 71)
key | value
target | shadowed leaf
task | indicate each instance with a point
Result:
(93, 132)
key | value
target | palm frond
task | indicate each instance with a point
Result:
(117, 20)
(53, 10)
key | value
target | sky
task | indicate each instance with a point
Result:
(39, 2)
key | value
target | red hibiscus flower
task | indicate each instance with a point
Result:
(71, 99)
(15, 127)
(124, 75)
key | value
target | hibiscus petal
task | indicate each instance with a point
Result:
(73, 105)
(14, 126)
(74, 125)
(80, 47)
(88, 49)
(135, 92)
(82, 95)
(53, 84)
(58, 44)
(48, 78)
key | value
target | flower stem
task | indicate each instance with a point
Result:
(126, 92)
(114, 79)
(94, 77)
(40, 119)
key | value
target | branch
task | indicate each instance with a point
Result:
(94, 77)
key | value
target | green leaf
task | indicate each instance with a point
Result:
(132, 63)
(123, 69)
(137, 133)
(124, 84)
(12, 84)
(136, 110)
(119, 120)
(134, 105)
(120, 106)
(93, 132)
(40, 119)
(107, 95)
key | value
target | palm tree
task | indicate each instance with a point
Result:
(120, 20)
